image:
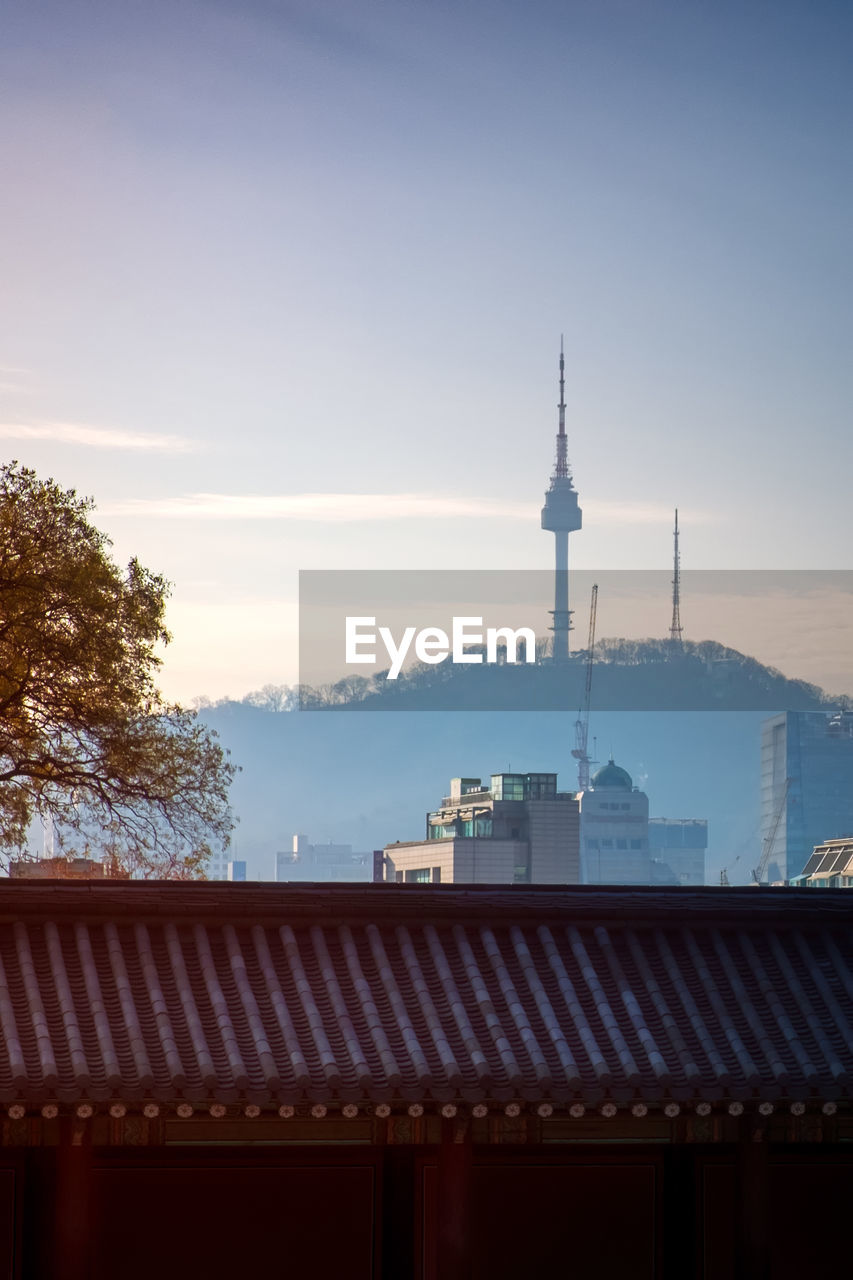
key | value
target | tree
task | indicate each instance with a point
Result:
(86, 740)
(272, 697)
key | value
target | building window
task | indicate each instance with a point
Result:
(398, 876)
(592, 844)
(436, 875)
(421, 875)
(621, 844)
(542, 786)
(607, 844)
(513, 786)
(445, 831)
(626, 805)
(636, 844)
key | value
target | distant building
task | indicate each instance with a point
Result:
(236, 871)
(332, 862)
(806, 785)
(216, 867)
(678, 849)
(518, 830)
(66, 869)
(615, 829)
(829, 867)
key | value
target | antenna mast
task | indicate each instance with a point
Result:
(676, 628)
(561, 468)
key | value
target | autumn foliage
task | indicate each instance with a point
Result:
(86, 741)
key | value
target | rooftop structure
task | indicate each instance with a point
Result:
(562, 516)
(829, 867)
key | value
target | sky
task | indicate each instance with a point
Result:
(284, 284)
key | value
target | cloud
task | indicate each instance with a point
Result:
(13, 378)
(78, 433)
(359, 507)
(615, 512)
(339, 507)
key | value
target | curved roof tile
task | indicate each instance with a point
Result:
(316, 993)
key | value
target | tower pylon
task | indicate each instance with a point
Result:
(676, 629)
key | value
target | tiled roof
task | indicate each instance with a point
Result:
(377, 993)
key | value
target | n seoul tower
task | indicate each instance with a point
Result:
(562, 515)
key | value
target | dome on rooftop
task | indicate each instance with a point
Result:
(612, 776)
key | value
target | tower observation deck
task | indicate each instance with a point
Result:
(561, 515)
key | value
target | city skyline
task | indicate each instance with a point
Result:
(285, 285)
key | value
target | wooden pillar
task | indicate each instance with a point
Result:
(398, 1207)
(753, 1238)
(680, 1207)
(73, 1203)
(455, 1170)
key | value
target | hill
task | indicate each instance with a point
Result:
(629, 675)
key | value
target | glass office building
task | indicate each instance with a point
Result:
(806, 786)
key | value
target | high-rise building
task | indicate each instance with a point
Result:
(678, 848)
(806, 786)
(237, 870)
(562, 516)
(518, 830)
(615, 829)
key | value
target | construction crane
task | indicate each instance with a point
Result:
(742, 848)
(770, 839)
(580, 752)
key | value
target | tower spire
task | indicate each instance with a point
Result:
(675, 630)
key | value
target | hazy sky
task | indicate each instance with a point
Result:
(283, 286)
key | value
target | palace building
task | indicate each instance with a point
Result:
(380, 1081)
